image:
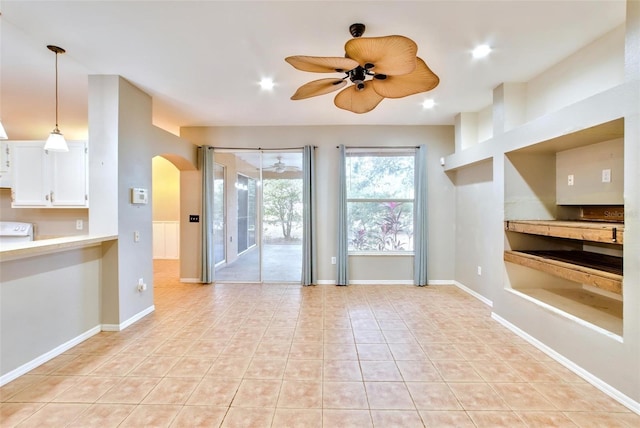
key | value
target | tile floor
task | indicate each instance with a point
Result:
(286, 356)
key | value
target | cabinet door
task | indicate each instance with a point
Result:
(30, 172)
(5, 164)
(69, 176)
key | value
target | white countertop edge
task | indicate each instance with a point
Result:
(47, 246)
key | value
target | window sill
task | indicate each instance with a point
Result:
(381, 253)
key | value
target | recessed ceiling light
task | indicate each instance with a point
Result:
(481, 51)
(428, 103)
(266, 84)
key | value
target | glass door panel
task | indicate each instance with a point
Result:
(219, 218)
(282, 217)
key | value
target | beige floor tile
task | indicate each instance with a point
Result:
(45, 389)
(418, 371)
(103, 416)
(87, 390)
(522, 396)
(446, 419)
(257, 393)
(300, 395)
(332, 418)
(533, 371)
(396, 418)
(340, 351)
(380, 371)
(368, 336)
(297, 418)
(389, 396)
(82, 365)
(374, 352)
(344, 395)
(54, 415)
(119, 365)
(199, 417)
(172, 391)
(248, 418)
(265, 368)
(12, 414)
(457, 371)
(495, 370)
(10, 389)
(477, 396)
(433, 396)
(546, 419)
(496, 419)
(342, 335)
(154, 366)
(130, 390)
(273, 349)
(53, 365)
(214, 392)
(303, 370)
(303, 350)
(190, 366)
(150, 416)
(229, 367)
(407, 351)
(341, 370)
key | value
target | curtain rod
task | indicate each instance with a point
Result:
(380, 147)
(258, 148)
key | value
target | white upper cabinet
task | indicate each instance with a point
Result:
(49, 179)
(5, 165)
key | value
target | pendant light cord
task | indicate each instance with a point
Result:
(56, 90)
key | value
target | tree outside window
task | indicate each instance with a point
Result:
(380, 197)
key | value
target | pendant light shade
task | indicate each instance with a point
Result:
(3, 133)
(56, 141)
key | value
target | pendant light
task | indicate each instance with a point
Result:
(56, 142)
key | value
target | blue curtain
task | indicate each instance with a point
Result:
(420, 218)
(206, 168)
(342, 262)
(309, 241)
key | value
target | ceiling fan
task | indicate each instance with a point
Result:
(378, 67)
(280, 167)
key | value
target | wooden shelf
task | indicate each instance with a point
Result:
(598, 270)
(610, 233)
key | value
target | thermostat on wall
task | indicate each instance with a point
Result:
(139, 196)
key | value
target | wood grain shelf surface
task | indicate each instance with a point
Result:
(598, 270)
(610, 233)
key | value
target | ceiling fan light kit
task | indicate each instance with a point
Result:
(378, 67)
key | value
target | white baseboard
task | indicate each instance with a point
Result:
(127, 323)
(440, 282)
(593, 380)
(191, 280)
(473, 293)
(381, 282)
(13, 374)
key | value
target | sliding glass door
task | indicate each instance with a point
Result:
(263, 216)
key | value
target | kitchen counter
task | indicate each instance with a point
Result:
(47, 246)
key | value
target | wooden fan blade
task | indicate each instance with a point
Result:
(390, 55)
(422, 79)
(358, 101)
(321, 64)
(318, 87)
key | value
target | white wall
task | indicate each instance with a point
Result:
(440, 142)
(592, 69)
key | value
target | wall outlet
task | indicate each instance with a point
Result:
(606, 176)
(333, 260)
(479, 270)
(141, 285)
(136, 236)
(79, 225)
(570, 180)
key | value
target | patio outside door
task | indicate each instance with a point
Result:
(262, 206)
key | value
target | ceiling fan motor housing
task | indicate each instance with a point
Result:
(357, 29)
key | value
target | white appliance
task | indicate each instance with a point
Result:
(12, 232)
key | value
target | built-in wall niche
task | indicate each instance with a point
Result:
(564, 225)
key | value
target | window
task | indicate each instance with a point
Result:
(380, 200)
